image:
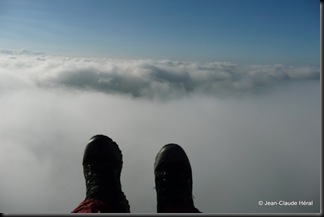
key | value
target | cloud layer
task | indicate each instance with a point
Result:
(242, 149)
(162, 79)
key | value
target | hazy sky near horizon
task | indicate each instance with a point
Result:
(236, 83)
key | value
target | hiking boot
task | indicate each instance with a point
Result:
(173, 181)
(102, 165)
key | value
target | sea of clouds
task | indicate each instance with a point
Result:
(162, 79)
(252, 132)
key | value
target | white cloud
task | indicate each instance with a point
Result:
(151, 78)
(242, 150)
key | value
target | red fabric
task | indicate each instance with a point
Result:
(92, 206)
(97, 206)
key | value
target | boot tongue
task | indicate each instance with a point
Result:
(174, 189)
(102, 181)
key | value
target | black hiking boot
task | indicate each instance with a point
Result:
(102, 165)
(173, 181)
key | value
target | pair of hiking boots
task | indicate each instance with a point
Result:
(102, 165)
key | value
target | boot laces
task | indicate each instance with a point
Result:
(174, 187)
(103, 183)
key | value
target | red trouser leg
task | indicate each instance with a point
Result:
(92, 206)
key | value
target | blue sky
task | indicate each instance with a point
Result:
(241, 31)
